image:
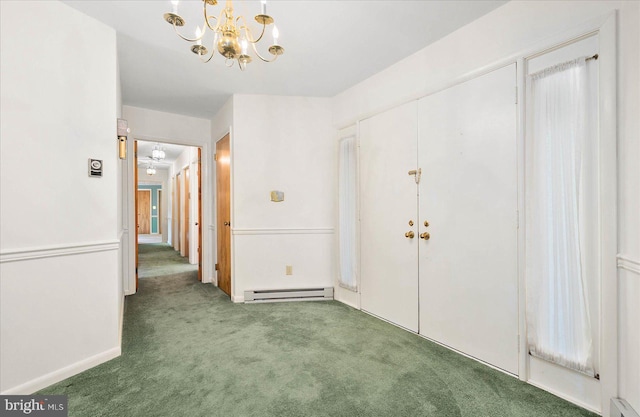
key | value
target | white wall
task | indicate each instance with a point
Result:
(164, 127)
(58, 230)
(284, 144)
(509, 31)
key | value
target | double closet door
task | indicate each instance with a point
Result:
(439, 244)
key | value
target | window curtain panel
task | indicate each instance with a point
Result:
(347, 213)
(560, 115)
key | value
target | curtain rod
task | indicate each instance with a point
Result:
(592, 57)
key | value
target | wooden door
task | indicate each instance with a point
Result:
(388, 201)
(186, 197)
(199, 222)
(468, 196)
(135, 198)
(144, 212)
(223, 213)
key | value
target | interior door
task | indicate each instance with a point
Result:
(199, 222)
(144, 212)
(388, 216)
(468, 196)
(223, 213)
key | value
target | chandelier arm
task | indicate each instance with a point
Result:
(248, 32)
(185, 38)
(207, 18)
(213, 52)
(253, 45)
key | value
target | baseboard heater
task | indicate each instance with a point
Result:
(621, 408)
(300, 294)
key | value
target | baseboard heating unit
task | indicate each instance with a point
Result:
(621, 408)
(300, 294)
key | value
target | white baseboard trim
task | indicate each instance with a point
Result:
(61, 374)
(285, 231)
(237, 299)
(625, 262)
(564, 397)
(348, 303)
(58, 250)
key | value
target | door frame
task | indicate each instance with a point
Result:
(129, 210)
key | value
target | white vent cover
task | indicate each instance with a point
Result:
(274, 296)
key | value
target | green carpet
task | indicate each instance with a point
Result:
(159, 259)
(188, 351)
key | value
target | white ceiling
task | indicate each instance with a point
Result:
(329, 46)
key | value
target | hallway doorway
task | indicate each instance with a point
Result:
(168, 207)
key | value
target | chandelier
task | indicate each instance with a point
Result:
(232, 36)
(151, 170)
(157, 153)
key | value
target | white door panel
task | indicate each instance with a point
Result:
(468, 194)
(389, 260)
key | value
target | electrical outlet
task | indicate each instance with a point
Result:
(289, 270)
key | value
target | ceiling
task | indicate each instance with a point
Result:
(329, 47)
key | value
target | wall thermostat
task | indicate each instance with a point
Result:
(95, 167)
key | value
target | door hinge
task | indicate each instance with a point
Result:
(217, 267)
(215, 156)
(516, 94)
(417, 173)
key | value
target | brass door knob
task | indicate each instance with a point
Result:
(227, 223)
(409, 235)
(425, 235)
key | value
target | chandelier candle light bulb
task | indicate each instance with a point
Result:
(232, 35)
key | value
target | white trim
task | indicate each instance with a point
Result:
(564, 397)
(626, 263)
(63, 373)
(285, 231)
(58, 250)
(237, 298)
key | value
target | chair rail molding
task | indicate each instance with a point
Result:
(625, 262)
(284, 231)
(27, 254)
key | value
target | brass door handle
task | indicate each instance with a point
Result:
(409, 234)
(425, 235)
(227, 223)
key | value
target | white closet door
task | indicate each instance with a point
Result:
(389, 260)
(468, 194)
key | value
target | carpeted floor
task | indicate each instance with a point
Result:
(188, 351)
(160, 259)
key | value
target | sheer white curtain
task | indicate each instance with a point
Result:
(347, 213)
(558, 322)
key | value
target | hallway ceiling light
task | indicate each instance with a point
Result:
(151, 170)
(232, 37)
(158, 153)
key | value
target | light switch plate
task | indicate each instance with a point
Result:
(277, 196)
